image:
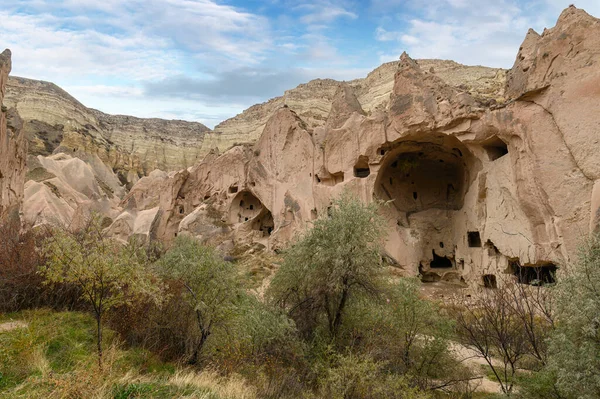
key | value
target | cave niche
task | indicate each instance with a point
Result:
(420, 175)
(541, 273)
(361, 169)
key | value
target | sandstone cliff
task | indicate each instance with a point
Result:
(474, 189)
(54, 121)
(312, 101)
(13, 150)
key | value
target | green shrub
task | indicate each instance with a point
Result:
(333, 262)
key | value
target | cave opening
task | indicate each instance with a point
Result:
(362, 169)
(495, 148)
(420, 175)
(474, 239)
(489, 281)
(264, 223)
(440, 262)
(542, 273)
(244, 207)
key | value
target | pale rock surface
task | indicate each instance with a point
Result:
(13, 150)
(132, 147)
(312, 101)
(65, 190)
(472, 187)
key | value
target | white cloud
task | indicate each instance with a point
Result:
(43, 50)
(323, 12)
(486, 32)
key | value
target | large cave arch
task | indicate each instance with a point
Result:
(425, 179)
(432, 172)
(246, 207)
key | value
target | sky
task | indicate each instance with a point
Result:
(208, 60)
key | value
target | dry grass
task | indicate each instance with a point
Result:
(54, 357)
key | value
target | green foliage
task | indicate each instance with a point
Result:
(409, 334)
(337, 259)
(108, 273)
(357, 377)
(575, 345)
(259, 335)
(208, 288)
(52, 357)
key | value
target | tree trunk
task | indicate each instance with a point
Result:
(99, 337)
(337, 320)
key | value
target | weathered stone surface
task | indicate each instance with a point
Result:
(13, 150)
(312, 101)
(471, 187)
(132, 147)
(64, 190)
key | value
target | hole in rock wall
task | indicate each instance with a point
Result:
(489, 281)
(474, 239)
(540, 274)
(244, 207)
(361, 169)
(264, 223)
(424, 175)
(440, 262)
(331, 180)
(495, 148)
(233, 189)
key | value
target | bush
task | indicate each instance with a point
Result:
(408, 334)
(332, 263)
(21, 284)
(205, 289)
(575, 345)
(358, 377)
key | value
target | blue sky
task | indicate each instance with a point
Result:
(207, 60)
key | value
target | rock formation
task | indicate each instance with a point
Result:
(312, 101)
(133, 147)
(13, 150)
(473, 186)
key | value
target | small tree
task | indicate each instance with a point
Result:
(575, 345)
(209, 287)
(108, 273)
(408, 334)
(490, 326)
(339, 257)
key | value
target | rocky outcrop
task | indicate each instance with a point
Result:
(471, 186)
(313, 101)
(64, 190)
(54, 122)
(13, 150)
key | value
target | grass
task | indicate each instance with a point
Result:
(54, 357)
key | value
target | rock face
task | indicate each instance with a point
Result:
(313, 101)
(133, 147)
(56, 122)
(471, 188)
(13, 151)
(61, 189)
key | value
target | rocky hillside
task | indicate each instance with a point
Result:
(312, 101)
(132, 147)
